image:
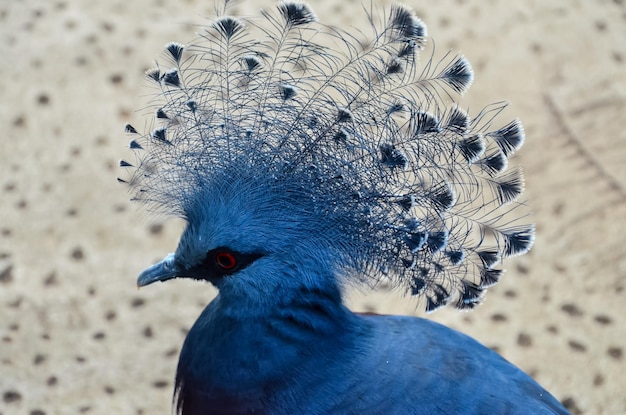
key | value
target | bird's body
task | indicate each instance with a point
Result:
(338, 362)
(302, 170)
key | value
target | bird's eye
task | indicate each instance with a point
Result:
(225, 260)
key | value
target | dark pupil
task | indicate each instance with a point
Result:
(225, 260)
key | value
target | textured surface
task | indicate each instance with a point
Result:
(76, 337)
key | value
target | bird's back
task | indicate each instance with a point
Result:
(422, 367)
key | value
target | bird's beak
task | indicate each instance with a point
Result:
(163, 270)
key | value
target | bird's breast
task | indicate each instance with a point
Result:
(248, 364)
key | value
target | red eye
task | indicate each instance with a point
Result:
(225, 260)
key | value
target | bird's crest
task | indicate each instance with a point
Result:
(365, 138)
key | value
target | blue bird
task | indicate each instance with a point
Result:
(306, 161)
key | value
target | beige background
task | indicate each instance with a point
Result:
(76, 337)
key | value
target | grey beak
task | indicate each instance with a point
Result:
(164, 270)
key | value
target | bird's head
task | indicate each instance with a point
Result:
(306, 165)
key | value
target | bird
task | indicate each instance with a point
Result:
(307, 161)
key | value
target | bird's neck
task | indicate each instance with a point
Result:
(240, 347)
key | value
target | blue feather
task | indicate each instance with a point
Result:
(302, 170)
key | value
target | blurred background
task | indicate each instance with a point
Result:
(77, 337)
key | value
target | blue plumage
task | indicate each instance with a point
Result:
(304, 162)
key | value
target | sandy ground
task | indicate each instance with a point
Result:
(77, 337)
